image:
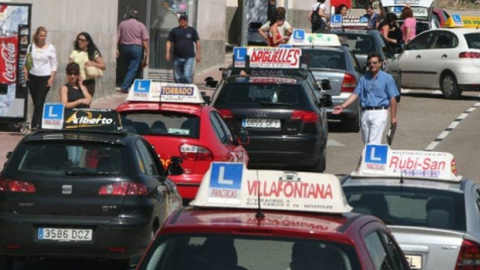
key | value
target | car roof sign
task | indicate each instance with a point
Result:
(232, 185)
(382, 161)
(413, 3)
(300, 38)
(52, 117)
(349, 22)
(150, 91)
(455, 20)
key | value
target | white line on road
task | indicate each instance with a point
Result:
(334, 143)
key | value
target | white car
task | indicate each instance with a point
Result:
(446, 59)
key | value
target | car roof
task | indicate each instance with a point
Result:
(194, 109)
(272, 79)
(406, 182)
(99, 137)
(455, 30)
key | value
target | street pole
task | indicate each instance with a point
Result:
(244, 34)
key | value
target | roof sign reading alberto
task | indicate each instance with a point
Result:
(232, 185)
(381, 161)
(266, 57)
(301, 38)
(56, 117)
(150, 91)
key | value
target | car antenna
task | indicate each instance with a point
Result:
(259, 216)
(401, 177)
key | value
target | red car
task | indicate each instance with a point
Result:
(177, 123)
(441, 15)
(264, 219)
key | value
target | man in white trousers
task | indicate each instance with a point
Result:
(377, 92)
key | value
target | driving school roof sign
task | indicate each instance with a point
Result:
(232, 185)
(380, 160)
(300, 38)
(150, 91)
(418, 3)
(266, 57)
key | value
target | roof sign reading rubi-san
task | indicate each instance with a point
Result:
(150, 91)
(232, 185)
(381, 161)
(266, 57)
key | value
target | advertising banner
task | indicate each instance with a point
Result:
(14, 40)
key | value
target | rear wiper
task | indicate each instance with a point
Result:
(275, 103)
(88, 173)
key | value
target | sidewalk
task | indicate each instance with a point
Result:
(9, 139)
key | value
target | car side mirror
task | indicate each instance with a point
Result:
(174, 167)
(210, 82)
(9, 154)
(326, 101)
(243, 137)
(206, 97)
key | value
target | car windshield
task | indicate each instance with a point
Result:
(358, 43)
(473, 40)
(261, 95)
(162, 123)
(408, 206)
(323, 59)
(65, 158)
(199, 252)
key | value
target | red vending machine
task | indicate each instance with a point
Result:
(14, 40)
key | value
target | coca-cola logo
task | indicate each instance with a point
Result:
(8, 56)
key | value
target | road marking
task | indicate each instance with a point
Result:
(452, 126)
(334, 143)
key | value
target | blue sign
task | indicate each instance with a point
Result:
(364, 19)
(336, 19)
(397, 9)
(298, 34)
(141, 86)
(376, 154)
(239, 54)
(457, 19)
(53, 111)
(226, 175)
(289, 46)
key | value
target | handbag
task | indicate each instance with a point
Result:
(93, 72)
(29, 58)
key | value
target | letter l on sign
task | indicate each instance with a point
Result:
(50, 112)
(221, 177)
(373, 156)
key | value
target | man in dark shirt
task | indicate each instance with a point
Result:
(183, 37)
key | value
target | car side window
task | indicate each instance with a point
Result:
(377, 251)
(395, 255)
(445, 40)
(150, 167)
(226, 130)
(218, 129)
(477, 198)
(421, 42)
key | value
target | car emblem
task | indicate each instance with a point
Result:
(67, 189)
(261, 114)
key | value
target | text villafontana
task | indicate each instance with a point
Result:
(290, 189)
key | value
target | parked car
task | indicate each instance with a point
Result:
(265, 219)
(441, 16)
(422, 11)
(178, 123)
(447, 59)
(88, 190)
(432, 212)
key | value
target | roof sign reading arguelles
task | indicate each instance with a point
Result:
(266, 57)
(232, 185)
(381, 161)
(150, 91)
(301, 38)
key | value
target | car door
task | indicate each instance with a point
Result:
(383, 251)
(230, 151)
(414, 58)
(442, 55)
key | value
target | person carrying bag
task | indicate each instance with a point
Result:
(316, 16)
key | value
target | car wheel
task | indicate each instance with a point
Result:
(351, 124)
(449, 86)
(6, 262)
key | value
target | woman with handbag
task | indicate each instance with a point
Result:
(39, 68)
(90, 60)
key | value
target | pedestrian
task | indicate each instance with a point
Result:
(274, 36)
(371, 16)
(271, 9)
(42, 73)
(182, 39)
(285, 30)
(391, 32)
(133, 46)
(409, 25)
(318, 16)
(86, 54)
(377, 92)
(341, 10)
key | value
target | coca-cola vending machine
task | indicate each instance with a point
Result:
(14, 40)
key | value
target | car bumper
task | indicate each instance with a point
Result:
(468, 79)
(112, 238)
(187, 184)
(350, 111)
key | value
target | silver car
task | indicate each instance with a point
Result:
(435, 220)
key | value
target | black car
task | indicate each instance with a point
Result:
(284, 112)
(80, 193)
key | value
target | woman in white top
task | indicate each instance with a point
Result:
(319, 10)
(40, 77)
(85, 54)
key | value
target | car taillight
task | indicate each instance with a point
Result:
(349, 83)
(195, 152)
(469, 256)
(469, 55)
(225, 113)
(123, 189)
(453, 165)
(16, 186)
(305, 116)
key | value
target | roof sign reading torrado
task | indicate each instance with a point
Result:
(150, 91)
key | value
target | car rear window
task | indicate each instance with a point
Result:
(358, 43)
(473, 40)
(68, 158)
(184, 252)
(261, 95)
(324, 59)
(407, 206)
(162, 123)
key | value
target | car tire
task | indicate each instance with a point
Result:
(449, 86)
(351, 124)
(6, 262)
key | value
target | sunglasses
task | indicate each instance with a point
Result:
(81, 39)
(372, 63)
(74, 74)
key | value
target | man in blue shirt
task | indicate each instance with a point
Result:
(377, 92)
(371, 16)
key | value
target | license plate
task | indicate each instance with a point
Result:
(415, 261)
(58, 234)
(261, 123)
